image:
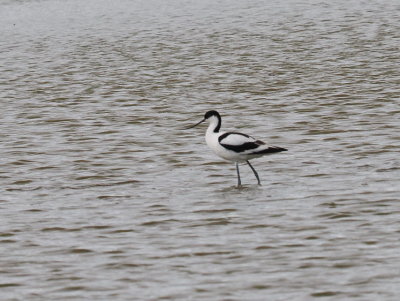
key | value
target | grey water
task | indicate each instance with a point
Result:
(104, 196)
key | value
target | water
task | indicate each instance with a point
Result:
(104, 196)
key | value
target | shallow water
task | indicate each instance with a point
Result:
(104, 196)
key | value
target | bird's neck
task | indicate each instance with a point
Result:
(215, 124)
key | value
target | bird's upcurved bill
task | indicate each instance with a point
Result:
(192, 126)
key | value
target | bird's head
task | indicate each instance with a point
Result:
(207, 116)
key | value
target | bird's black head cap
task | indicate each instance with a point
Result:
(211, 113)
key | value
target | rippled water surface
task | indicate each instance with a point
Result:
(105, 197)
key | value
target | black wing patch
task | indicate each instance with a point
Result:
(241, 147)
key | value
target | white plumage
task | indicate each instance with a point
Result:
(233, 146)
(236, 139)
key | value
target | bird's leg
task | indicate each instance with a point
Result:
(237, 169)
(255, 173)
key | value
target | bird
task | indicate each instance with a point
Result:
(233, 146)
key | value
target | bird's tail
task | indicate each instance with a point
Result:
(271, 150)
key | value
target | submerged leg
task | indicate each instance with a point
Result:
(255, 173)
(237, 169)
